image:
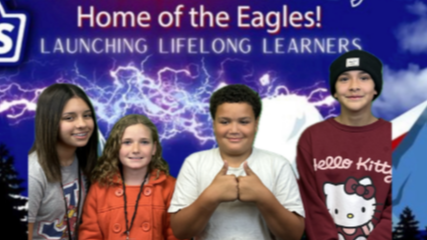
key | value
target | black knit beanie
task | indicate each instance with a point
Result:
(357, 60)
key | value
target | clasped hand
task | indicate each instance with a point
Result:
(247, 188)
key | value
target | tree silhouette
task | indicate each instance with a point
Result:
(407, 228)
(425, 234)
(14, 214)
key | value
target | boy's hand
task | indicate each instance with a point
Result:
(224, 188)
(251, 189)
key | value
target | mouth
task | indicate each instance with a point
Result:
(82, 135)
(354, 97)
(234, 139)
(135, 158)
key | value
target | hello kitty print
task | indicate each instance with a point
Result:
(362, 164)
(352, 205)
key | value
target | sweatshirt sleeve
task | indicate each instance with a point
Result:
(382, 230)
(89, 229)
(319, 224)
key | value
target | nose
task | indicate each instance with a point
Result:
(350, 215)
(354, 84)
(81, 122)
(135, 147)
(234, 127)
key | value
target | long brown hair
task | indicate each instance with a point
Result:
(109, 163)
(48, 115)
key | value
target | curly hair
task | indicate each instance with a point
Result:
(109, 164)
(236, 93)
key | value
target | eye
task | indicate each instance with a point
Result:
(89, 115)
(223, 122)
(336, 211)
(244, 122)
(126, 142)
(365, 78)
(145, 142)
(68, 118)
(363, 209)
(343, 79)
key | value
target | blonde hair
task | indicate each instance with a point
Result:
(109, 163)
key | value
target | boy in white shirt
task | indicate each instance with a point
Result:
(236, 191)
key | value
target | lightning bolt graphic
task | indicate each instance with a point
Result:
(176, 100)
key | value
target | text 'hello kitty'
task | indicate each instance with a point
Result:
(338, 162)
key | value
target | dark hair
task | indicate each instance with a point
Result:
(109, 163)
(236, 93)
(48, 115)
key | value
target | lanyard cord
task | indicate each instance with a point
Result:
(78, 202)
(136, 205)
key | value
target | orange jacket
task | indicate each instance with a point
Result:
(104, 218)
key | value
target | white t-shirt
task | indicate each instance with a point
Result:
(236, 220)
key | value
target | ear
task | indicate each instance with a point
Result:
(153, 151)
(365, 181)
(213, 123)
(335, 95)
(327, 188)
(256, 123)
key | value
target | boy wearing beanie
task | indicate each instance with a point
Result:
(344, 163)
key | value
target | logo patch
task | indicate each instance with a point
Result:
(13, 27)
(352, 62)
(58, 228)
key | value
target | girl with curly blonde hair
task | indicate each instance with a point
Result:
(132, 187)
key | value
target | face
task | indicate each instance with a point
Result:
(76, 124)
(235, 127)
(355, 90)
(348, 210)
(137, 147)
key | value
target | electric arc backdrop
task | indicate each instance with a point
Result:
(164, 60)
